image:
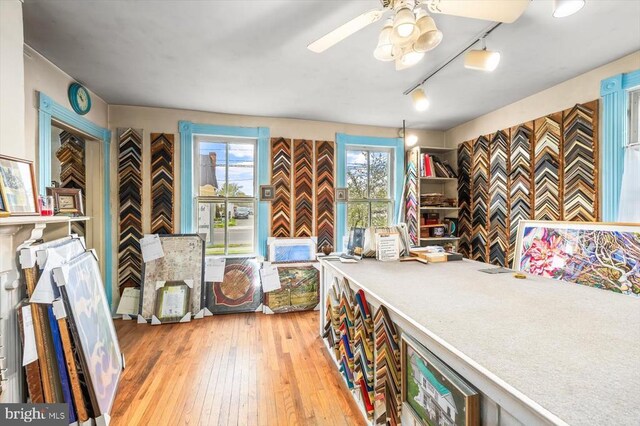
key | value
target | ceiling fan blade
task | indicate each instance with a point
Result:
(345, 30)
(506, 11)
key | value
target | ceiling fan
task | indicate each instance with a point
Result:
(411, 31)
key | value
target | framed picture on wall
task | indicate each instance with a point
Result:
(267, 192)
(67, 201)
(4, 212)
(18, 186)
(435, 394)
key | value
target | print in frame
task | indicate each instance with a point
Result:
(435, 394)
(18, 186)
(300, 286)
(599, 255)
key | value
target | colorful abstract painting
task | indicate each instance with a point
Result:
(240, 289)
(592, 254)
(92, 328)
(300, 289)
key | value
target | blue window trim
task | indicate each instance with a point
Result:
(344, 141)
(49, 110)
(614, 91)
(187, 189)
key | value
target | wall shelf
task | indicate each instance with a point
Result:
(440, 239)
(34, 220)
(436, 149)
(438, 179)
(439, 208)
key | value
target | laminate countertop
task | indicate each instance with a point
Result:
(571, 349)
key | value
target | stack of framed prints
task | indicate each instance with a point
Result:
(388, 374)
(435, 394)
(18, 190)
(239, 291)
(299, 291)
(183, 262)
(286, 250)
(92, 331)
(605, 256)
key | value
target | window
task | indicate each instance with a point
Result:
(369, 181)
(634, 117)
(226, 200)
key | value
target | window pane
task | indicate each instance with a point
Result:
(357, 174)
(379, 174)
(380, 214)
(213, 160)
(241, 170)
(357, 215)
(211, 222)
(240, 227)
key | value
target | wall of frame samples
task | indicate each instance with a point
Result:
(544, 169)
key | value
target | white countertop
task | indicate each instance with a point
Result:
(36, 219)
(572, 349)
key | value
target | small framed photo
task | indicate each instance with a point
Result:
(18, 190)
(267, 192)
(67, 201)
(342, 195)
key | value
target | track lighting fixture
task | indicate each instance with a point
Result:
(420, 101)
(483, 60)
(564, 8)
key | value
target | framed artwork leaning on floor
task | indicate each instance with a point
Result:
(18, 187)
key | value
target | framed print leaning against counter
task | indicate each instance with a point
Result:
(435, 394)
(600, 255)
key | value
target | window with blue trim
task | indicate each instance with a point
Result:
(226, 188)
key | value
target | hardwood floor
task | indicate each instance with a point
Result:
(237, 369)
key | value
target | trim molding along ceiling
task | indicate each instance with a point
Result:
(546, 169)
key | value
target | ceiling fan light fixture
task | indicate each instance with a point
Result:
(384, 49)
(420, 100)
(564, 8)
(482, 60)
(404, 22)
(410, 57)
(430, 37)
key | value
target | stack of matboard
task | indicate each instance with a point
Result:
(70, 348)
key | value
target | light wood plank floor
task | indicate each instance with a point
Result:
(237, 369)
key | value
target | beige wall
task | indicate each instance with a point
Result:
(11, 80)
(42, 75)
(583, 88)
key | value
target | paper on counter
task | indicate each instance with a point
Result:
(29, 353)
(151, 248)
(388, 247)
(343, 260)
(270, 279)
(214, 269)
(129, 301)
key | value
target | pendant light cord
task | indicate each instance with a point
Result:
(479, 38)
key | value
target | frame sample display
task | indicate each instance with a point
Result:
(605, 256)
(240, 289)
(436, 394)
(92, 328)
(183, 260)
(300, 289)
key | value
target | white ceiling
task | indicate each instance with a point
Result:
(250, 57)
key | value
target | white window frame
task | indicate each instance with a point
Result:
(227, 140)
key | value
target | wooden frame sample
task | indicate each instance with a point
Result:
(445, 398)
(67, 201)
(599, 255)
(18, 187)
(267, 192)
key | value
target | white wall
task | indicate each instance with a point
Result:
(11, 79)
(583, 88)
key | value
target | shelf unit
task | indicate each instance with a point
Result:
(417, 185)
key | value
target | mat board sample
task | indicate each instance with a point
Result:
(324, 193)
(480, 199)
(281, 180)
(599, 255)
(239, 291)
(498, 198)
(521, 189)
(130, 207)
(580, 124)
(302, 188)
(183, 260)
(547, 194)
(92, 328)
(300, 289)
(411, 200)
(162, 164)
(464, 197)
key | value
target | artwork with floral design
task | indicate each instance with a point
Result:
(596, 255)
(92, 328)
